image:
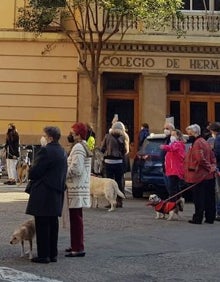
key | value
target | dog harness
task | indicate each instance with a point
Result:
(165, 207)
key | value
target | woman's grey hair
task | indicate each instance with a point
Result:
(53, 131)
(195, 128)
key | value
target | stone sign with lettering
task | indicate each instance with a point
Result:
(161, 63)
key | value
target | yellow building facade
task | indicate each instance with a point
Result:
(152, 76)
(35, 89)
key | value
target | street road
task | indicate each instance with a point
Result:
(127, 245)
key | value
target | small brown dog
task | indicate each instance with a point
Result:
(25, 232)
(22, 171)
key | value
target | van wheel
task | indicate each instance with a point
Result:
(137, 193)
(161, 192)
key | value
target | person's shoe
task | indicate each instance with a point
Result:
(108, 206)
(194, 222)
(217, 218)
(118, 205)
(13, 182)
(40, 260)
(209, 222)
(53, 259)
(68, 250)
(7, 182)
(75, 254)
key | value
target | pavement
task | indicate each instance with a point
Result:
(127, 245)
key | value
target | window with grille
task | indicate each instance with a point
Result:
(51, 3)
(119, 82)
(202, 5)
(205, 86)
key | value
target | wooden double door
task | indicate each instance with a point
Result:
(194, 99)
(120, 96)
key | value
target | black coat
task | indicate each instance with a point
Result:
(217, 149)
(48, 176)
(12, 145)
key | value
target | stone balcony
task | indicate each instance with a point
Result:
(193, 24)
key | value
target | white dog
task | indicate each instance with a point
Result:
(25, 232)
(104, 187)
(166, 207)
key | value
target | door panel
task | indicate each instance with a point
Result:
(217, 111)
(198, 113)
(175, 112)
(125, 111)
(128, 113)
(121, 96)
(193, 99)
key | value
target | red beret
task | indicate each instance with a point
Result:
(80, 129)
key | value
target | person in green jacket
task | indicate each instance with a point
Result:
(90, 138)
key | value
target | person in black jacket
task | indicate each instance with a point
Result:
(144, 132)
(12, 153)
(47, 179)
(214, 128)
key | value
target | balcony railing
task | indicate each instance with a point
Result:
(198, 24)
(192, 24)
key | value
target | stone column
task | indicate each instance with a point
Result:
(84, 98)
(84, 110)
(153, 101)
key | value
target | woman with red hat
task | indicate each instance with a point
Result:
(78, 193)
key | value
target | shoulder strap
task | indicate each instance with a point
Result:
(89, 154)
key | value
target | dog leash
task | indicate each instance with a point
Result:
(179, 193)
(182, 191)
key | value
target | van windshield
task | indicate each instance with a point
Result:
(151, 147)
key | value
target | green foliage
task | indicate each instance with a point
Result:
(36, 19)
(154, 14)
(95, 22)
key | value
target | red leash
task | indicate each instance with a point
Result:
(163, 203)
(187, 188)
(182, 191)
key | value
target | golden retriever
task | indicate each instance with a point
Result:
(104, 187)
(25, 232)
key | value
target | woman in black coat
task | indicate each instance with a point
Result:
(47, 184)
(12, 153)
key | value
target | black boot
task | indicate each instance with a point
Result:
(119, 202)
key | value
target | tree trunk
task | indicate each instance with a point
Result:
(94, 105)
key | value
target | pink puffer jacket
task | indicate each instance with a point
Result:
(174, 159)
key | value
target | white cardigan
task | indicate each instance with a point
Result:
(78, 177)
